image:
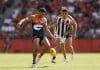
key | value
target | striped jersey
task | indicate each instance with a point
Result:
(62, 26)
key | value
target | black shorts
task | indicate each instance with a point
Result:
(69, 35)
(38, 34)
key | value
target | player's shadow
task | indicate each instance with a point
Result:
(11, 68)
(42, 66)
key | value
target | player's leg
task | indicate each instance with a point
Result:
(35, 50)
(63, 50)
(47, 46)
(57, 47)
(44, 42)
(41, 54)
(69, 45)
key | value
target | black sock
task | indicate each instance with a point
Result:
(54, 57)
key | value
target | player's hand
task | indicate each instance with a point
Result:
(65, 34)
(49, 27)
(54, 39)
(74, 35)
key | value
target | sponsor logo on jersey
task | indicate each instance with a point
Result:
(37, 27)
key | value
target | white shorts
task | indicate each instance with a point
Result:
(62, 39)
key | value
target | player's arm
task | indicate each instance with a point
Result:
(48, 31)
(20, 26)
(54, 24)
(74, 23)
(25, 21)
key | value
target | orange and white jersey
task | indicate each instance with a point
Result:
(37, 22)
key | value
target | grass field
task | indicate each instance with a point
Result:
(23, 62)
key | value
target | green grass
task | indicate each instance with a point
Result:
(23, 62)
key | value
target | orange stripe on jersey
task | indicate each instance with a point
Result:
(37, 19)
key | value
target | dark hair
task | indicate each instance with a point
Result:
(64, 10)
(42, 10)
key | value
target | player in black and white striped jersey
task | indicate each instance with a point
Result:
(62, 26)
(65, 29)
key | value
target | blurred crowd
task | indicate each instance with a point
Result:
(86, 13)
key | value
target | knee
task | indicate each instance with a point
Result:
(69, 45)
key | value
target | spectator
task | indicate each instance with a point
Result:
(86, 12)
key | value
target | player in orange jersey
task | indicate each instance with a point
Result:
(39, 27)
